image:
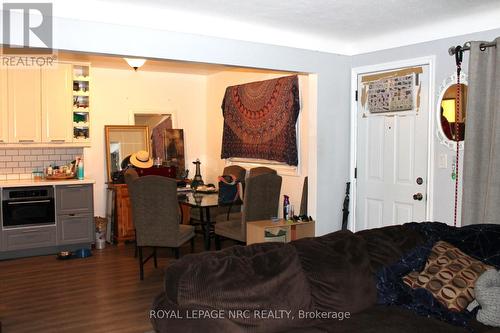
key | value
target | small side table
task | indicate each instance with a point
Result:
(256, 230)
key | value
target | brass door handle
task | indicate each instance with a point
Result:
(418, 196)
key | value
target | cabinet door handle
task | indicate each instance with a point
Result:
(58, 141)
(75, 186)
(29, 231)
(72, 214)
(27, 202)
(26, 140)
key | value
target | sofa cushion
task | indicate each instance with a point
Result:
(266, 276)
(481, 241)
(387, 319)
(337, 266)
(393, 291)
(487, 290)
(449, 275)
(386, 245)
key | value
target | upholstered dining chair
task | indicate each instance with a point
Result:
(260, 202)
(261, 171)
(155, 211)
(235, 170)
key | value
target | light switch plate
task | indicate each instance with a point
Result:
(443, 161)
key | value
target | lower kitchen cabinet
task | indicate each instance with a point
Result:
(75, 229)
(74, 199)
(28, 238)
(71, 229)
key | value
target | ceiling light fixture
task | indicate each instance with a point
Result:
(135, 63)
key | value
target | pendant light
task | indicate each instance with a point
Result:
(135, 63)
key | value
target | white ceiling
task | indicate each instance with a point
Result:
(340, 26)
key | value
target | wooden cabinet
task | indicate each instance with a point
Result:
(269, 231)
(4, 125)
(124, 225)
(24, 107)
(57, 104)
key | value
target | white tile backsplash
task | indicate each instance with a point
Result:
(19, 163)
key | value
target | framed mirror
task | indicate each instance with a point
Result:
(446, 111)
(121, 142)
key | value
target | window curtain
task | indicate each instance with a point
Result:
(481, 175)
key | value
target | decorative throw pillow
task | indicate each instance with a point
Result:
(449, 275)
(488, 296)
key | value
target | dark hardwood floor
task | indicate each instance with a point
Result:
(102, 293)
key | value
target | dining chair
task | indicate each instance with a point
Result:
(235, 170)
(155, 211)
(261, 171)
(260, 202)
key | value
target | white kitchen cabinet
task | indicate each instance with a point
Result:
(4, 125)
(24, 105)
(57, 101)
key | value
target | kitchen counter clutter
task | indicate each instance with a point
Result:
(45, 217)
(30, 182)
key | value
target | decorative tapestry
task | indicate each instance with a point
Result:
(259, 120)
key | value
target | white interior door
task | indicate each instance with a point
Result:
(391, 153)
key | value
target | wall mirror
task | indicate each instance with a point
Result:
(446, 111)
(121, 142)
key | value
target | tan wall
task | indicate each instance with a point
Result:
(117, 94)
(195, 101)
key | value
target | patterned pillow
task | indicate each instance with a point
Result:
(449, 275)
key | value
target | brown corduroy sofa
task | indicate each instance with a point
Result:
(321, 284)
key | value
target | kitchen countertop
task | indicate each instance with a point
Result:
(30, 182)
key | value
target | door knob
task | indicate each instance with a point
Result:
(418, 196)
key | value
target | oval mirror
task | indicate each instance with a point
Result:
(447, 111)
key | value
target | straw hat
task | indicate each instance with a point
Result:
(141, 159)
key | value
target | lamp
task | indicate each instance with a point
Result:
(449, 110)
(135, 63)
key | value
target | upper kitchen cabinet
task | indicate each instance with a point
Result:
(24, 105)
(57, 103)
(45, 106)
(4, 126)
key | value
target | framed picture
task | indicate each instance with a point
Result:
(174, 149)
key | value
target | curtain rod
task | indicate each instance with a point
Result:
(466, 47)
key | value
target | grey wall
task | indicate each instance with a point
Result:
(444, 66)
(333, 73)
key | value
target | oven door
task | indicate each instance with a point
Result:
(18, 213)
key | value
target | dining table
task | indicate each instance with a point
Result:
(202, 201)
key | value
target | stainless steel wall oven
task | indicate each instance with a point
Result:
(28, 206)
